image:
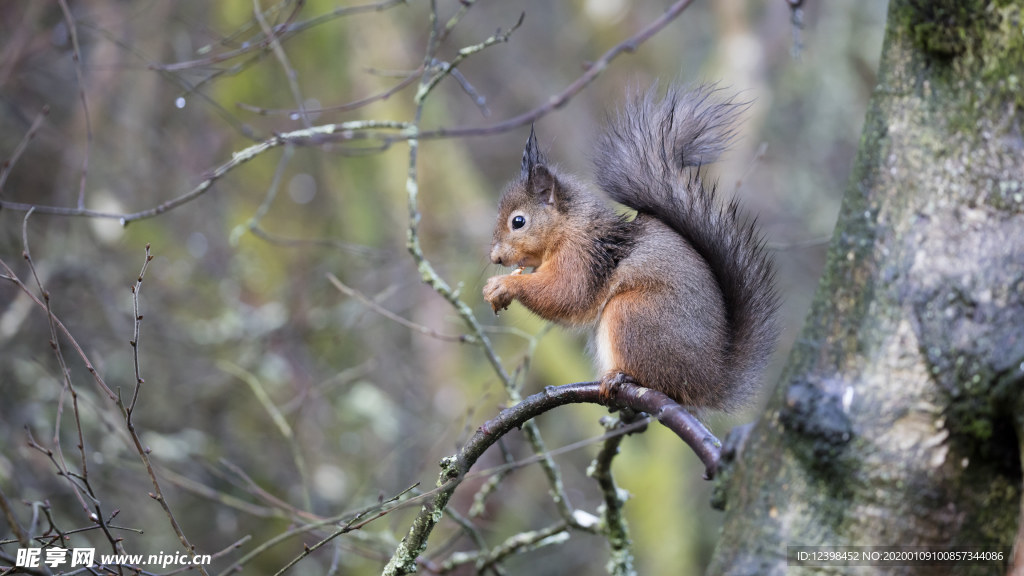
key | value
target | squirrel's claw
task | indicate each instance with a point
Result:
(497, 294)
(610, 384)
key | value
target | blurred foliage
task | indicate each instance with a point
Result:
(373, 405)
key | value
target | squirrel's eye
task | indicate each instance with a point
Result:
(518, 222)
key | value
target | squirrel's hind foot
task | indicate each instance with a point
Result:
(610, 384)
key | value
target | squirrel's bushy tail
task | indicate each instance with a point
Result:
(642, 161)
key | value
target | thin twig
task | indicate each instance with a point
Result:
(275, 184)
(137, 323)
(806, 243)
(157, 494)
(12, 277)
(82, 490)
(386, 506)
(283, 31)
(282, 58)
(126, 412)
(256, 490)
(77, 56)
(12, 522)
(467, 87)
(410, 78)
(289, 242)
(448, 68)
(223, 552)
(234, 38)
(357, 522)
(366, 301)
(8, 165)
(220, 497)
(483, 560)
(474, 534)
(279, 420)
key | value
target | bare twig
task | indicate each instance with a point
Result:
(279, 420)
(355, 523)
(289, 242)
(448, 68)
(289, 71)
(222, 498)
(77, 55)
(81, 486)
(12, 522)
(12, 277)
(256, 490)
(467, 87)
(8, 164)
(350, 519)
(483, 560)
(235, 38)
(408, 80)
(253, 224)
(366, 301)
(268, 200)
(223, 552)
(474, 534)
(137, 323)
(126, 411)
(283, 31)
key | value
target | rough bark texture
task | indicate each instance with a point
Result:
(897, 421)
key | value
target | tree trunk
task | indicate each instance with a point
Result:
(898, 420)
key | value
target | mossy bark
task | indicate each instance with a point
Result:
(894, 423)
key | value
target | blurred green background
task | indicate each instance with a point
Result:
(373, 405)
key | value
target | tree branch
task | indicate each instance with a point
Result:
(454, 468)
(617, 530)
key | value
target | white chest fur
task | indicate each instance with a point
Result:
(604, 353)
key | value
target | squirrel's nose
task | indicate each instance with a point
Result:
(496, 256)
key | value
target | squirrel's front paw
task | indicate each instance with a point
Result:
(496, 293)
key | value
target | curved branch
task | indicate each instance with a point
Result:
(454, 468)
(639, 399)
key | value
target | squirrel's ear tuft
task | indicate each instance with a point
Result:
(532, 157)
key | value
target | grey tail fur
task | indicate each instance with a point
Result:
(642, 161)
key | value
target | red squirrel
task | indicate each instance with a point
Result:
(681, 297)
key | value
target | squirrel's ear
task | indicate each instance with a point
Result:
(544, 184)
(532, 157)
